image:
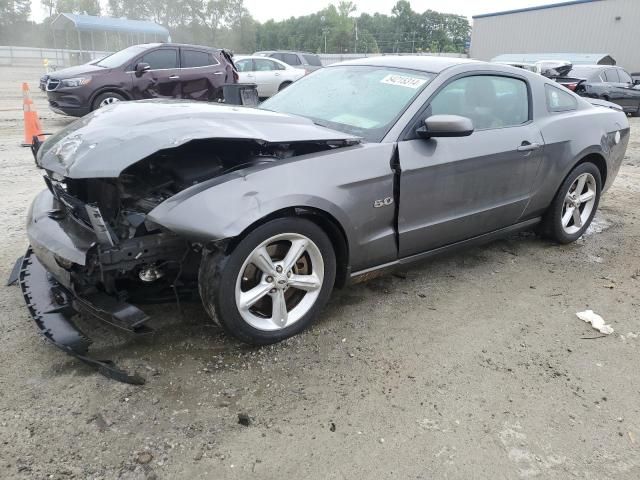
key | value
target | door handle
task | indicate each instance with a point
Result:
(218, 73)
(277, 74)
(174, 77)
(528, 147)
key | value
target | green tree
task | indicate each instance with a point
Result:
(12, 11)
(90, 7)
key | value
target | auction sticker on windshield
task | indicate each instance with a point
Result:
(403, 81)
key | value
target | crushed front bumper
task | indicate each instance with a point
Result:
(57, 240)
(53, 307)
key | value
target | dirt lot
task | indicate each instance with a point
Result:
(470, 366)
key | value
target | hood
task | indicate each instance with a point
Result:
(107, 141)
(71, 72)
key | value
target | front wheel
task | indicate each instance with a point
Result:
(575, 204)
(274, 282)
(105, 99)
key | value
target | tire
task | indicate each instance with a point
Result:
(225, 281)
(106, 98)
(558, 223)
(283, 85)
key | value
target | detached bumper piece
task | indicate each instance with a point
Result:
(53, 306)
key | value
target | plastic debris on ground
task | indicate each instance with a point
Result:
(596, 321)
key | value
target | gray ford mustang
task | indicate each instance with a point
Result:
(260, 213)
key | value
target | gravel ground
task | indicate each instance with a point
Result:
(469, 366)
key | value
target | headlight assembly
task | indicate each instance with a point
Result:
(74, 82)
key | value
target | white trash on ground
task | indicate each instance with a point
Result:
(596, 321)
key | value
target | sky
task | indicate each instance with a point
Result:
(263, 10)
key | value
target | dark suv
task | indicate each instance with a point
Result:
(307, 61)
(154, 70)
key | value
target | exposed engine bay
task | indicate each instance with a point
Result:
(132, 252)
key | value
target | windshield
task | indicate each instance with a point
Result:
(119, 58)
(360, 100)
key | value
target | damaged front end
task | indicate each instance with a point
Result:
(83, 261)
(93, 249)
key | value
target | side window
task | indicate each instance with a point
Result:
(162, 59)
(313, 60)
(291, 59)
(624, 76)
(277, 56)
(489, 101)
(193, 58)
(558, 100)
(611, 75)
(244, 65)
(264, 65)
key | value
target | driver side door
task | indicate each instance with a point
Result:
(162, 80)
(453, 189)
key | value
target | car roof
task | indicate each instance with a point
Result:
(415, 62)
(286, 51)
(259, 57)
(170, 44)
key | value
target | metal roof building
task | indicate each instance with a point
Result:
(574, 58)
(90, 33)
(579, 26)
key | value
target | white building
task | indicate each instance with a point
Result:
(579, 26)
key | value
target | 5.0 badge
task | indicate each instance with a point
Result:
(385, 202)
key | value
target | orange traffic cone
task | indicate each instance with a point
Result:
(32, 126)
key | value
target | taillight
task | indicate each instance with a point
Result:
(571, 86)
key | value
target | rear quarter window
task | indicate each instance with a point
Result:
(559, 100)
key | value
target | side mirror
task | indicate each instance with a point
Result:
(141, 68)
(446, 126)
(636, 82)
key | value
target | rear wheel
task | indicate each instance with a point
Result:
(106, 98)
(574, 205)
(283, 86)
(273, 284)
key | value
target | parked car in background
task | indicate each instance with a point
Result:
(606, 82)
(260, 212)
(269, 74)
(547, 68)
(304, 60)
(154, 70)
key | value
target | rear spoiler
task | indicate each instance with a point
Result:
(603, 103)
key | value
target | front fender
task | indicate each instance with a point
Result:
(344, 183)
(227, 209)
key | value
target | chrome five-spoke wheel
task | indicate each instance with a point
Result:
(579, 203)
(574, 205)
(271, 284)
(279, 282)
